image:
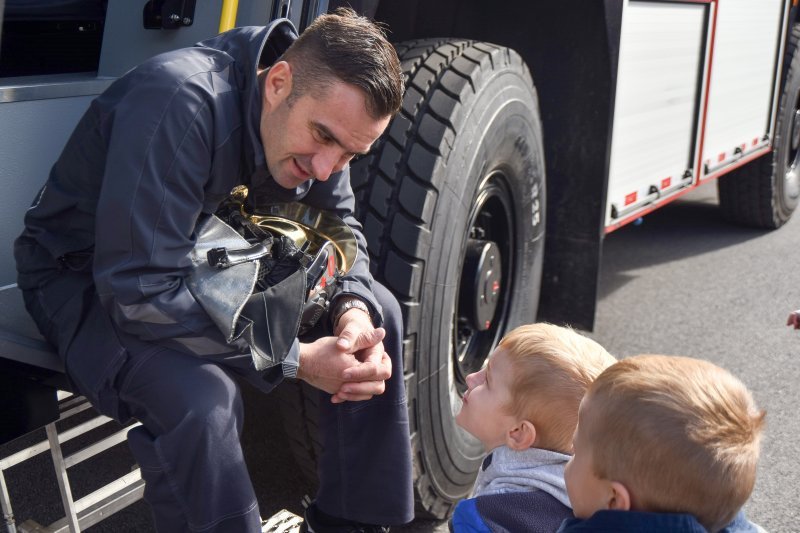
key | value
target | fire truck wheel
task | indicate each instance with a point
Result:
(452, 203)
(764, 193)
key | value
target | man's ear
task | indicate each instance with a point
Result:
(521, 436)
(619, 497)
(278, 84)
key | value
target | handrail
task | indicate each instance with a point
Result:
(227, 19)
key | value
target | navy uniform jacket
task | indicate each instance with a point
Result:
(162, 146)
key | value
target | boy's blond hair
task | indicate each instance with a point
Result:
(681, 434)
(553, 368)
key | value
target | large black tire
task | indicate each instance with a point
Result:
(764, 193)
(452, 202)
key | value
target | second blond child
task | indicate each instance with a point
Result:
(664, 444)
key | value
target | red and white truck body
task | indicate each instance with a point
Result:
(697, 91)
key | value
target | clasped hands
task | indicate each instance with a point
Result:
(352, 365)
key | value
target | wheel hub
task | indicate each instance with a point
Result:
(482, 281)
(791, 187)
(796, 130)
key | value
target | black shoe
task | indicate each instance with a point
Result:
(315, 521)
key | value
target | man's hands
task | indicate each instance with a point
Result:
(351, 366)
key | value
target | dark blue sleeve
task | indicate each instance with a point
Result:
(159, 150)
(336, 195)
(467, 519)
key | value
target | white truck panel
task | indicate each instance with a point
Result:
(655, 112)
(742, 75)
(26, 157)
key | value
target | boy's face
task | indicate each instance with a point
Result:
(587, 492)
(484, 407)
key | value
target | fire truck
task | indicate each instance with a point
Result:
(529, 131)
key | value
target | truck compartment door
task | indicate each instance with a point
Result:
(662, 48)
(741, 88)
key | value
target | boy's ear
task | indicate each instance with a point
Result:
(521, 436)
(619, 498)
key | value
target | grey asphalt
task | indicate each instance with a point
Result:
(682, 282)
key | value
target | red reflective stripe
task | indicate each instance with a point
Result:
(743, 161)
(642, 212)
(666, 182)
(704, 116)
(721, 157)
(630, 198)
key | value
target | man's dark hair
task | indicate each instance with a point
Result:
(346, 46)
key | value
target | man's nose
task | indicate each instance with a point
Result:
(325, 162)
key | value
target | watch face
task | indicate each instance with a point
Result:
(350, 304)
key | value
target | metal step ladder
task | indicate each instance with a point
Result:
(92, 508)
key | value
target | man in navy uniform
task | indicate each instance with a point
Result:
(103, 266)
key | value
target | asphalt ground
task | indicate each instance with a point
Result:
(682, 282)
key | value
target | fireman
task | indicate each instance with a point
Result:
(102, 262)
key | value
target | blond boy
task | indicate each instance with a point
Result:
(523, 407)
(672, 440)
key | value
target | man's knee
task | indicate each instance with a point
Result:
(392, 323)
(217, 391)
(213, 407)
(392, 314)
(173, 389)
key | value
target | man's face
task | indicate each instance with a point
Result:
(484, 406)
(314, 136)
(587, 492)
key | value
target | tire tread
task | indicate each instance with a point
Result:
(441, 76)
(747, 196)
(396, 192)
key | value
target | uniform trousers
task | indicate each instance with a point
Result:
(191, 409)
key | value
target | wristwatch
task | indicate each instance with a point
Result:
(346, 305)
